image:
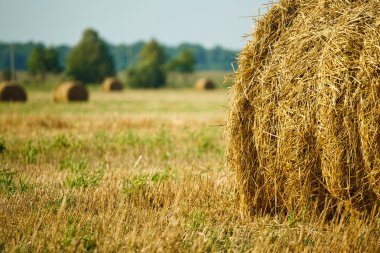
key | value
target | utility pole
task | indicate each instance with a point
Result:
(130, 56)
(12, 61)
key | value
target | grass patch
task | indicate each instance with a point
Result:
(135, 185)
(196, 220)
(10, 183)
(74, 165)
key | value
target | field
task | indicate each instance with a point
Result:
(140, 171)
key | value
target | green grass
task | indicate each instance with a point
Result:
(11, 183)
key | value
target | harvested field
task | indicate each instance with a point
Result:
(140, 171)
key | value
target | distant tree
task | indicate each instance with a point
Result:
(42, 61)
(125, 56)
(63, 52)
(36, 62)
(152, 53)
(51, 59)
(90, 61)
(183, 63)
(149, 72)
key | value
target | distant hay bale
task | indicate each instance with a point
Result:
(11, 91)
(112, 84)
(304, 119)
(70, 91)
(204, 84)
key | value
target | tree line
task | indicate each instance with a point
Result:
(125, 56)
(90, 61)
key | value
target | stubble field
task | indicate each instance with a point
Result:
(140, 171)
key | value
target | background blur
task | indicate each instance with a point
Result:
(212, 30)
(209, 23)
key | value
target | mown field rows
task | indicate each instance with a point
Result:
(139, 171)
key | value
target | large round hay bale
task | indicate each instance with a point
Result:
(11, 91)
(112, 84)
(70, 91)
(303, 130)
(204, 84)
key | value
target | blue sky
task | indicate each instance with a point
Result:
(56, 22)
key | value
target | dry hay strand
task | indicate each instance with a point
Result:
(11, 91)
(303, 129)
(70, 91)
(204, 84)
(112, 84)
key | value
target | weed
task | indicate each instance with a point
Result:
(61, 141)
(100, 139)
(79, 166)
(219, 240)
(55, 204)
(205, 142)
(89, 243)
(195, 220)
(84, 180)
(165, 156)
(7, 184)
(292, 219)
(231, 195)
(89, 238)
(130, 138)
(135, 184)
(70, 232)
(162, 176)
(30, 153)
(308, 242)
(160, 139)
(24, 185)
(73, 165)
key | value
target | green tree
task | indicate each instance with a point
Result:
(42, 61)
(184, 62)
(90, 61)
(152, 53)
(149, 72)
(51, 59)
(36, 62)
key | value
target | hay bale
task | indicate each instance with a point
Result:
(70, 91)
(11, 91)
(112, 84)
(204, 84)
(304, 118)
